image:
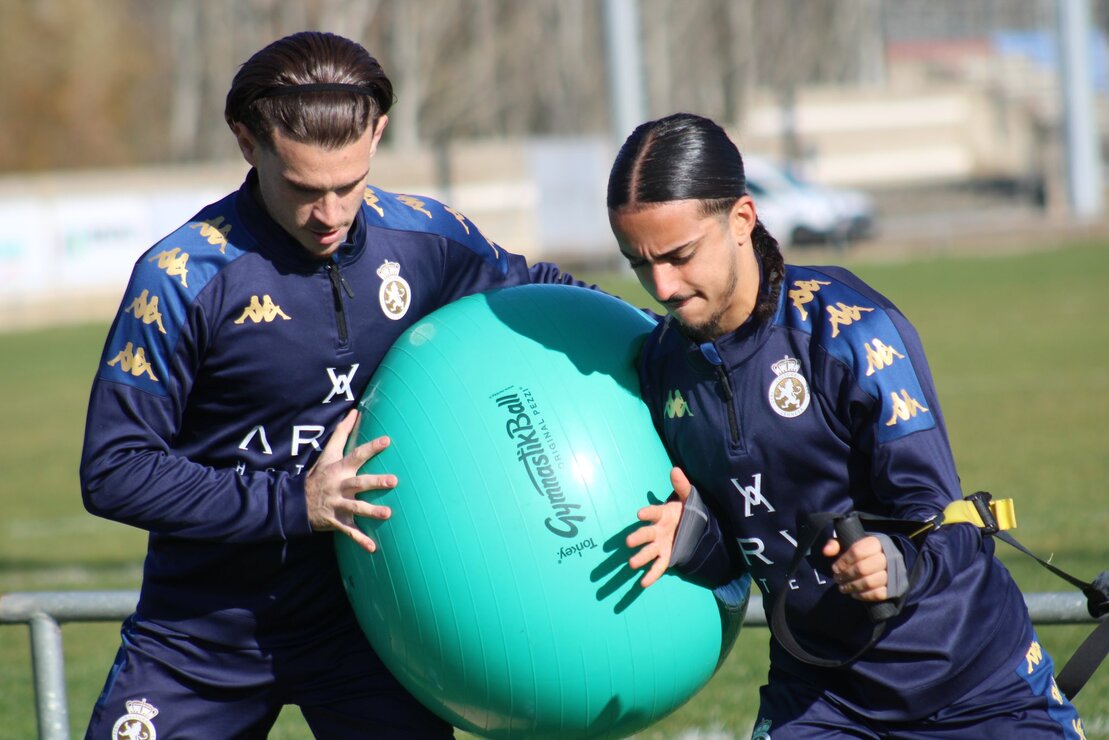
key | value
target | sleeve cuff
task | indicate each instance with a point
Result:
(690, 528)
(897, 577)
(294, 508)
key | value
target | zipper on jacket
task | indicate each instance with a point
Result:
(339, 285)
(729, 398)
(709, 352)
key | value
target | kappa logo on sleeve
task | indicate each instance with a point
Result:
(466, 224)
(415, 204)
(879, 356)
(803, 293)
(371, 199)
(133, 360)
(174, 262)
(904, 408)
(458, 217)
(145, 308)
(843, 315)
(215, 230)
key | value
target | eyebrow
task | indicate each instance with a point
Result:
(669, 254)
(312, 189)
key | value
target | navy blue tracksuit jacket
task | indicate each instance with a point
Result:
(232, 358)
(830, 407)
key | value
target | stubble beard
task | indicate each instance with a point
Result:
(711, 328)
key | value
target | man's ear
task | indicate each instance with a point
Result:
(247, 142)
(379, 129)
(742, 218)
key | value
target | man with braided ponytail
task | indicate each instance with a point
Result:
(220, 412)
(782, 392)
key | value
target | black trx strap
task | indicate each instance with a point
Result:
(1089, 655)
(849, 530)
(993, 517)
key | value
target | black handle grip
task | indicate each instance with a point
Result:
(849, 530)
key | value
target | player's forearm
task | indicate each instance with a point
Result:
(159, 493)
(130, 474)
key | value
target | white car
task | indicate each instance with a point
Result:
(797, 212)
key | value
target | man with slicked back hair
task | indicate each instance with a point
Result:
(220, 412)
(804, 396)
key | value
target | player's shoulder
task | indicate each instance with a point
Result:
(825, 301)
(167, 280)
(421, 214)
(861, 330)
(187, 259)
(663, 349)
(664, 339)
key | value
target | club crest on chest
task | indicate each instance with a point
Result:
(789, 394)
(395, 294)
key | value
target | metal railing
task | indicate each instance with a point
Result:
(44, 612)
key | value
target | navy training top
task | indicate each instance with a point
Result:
(830, 407)
(232, 358)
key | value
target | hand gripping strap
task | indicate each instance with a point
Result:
(992, 516)
(849, 530)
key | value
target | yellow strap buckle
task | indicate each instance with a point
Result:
(980, 509)
(983, 511)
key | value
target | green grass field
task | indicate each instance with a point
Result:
(1018, 347)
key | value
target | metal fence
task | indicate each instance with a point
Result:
(45, 612)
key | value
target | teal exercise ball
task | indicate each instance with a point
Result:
(500, 594)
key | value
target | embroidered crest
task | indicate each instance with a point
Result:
(762, 730)
(789, 392)
(395, 295)
(138, 723)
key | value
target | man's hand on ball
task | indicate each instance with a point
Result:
(656, 538)
(333, 484)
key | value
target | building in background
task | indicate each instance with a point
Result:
(114, 133)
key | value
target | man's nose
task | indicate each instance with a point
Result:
(665, 279)
(328, 210)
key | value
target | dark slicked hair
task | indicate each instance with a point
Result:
(689, 157)
(263, 96)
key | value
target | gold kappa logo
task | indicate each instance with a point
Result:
(789, 394)
(803, 293)
(879, 356)
(1034, 656)
(458, 217)
(174, 263)
(215, 230)
(395, 295)
(138, 723)
(145, 308)
(905, 407)
(843, 315)
(415, 204)
(370, 198)
(1056, 694)
(258, 311)
(133, 361)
